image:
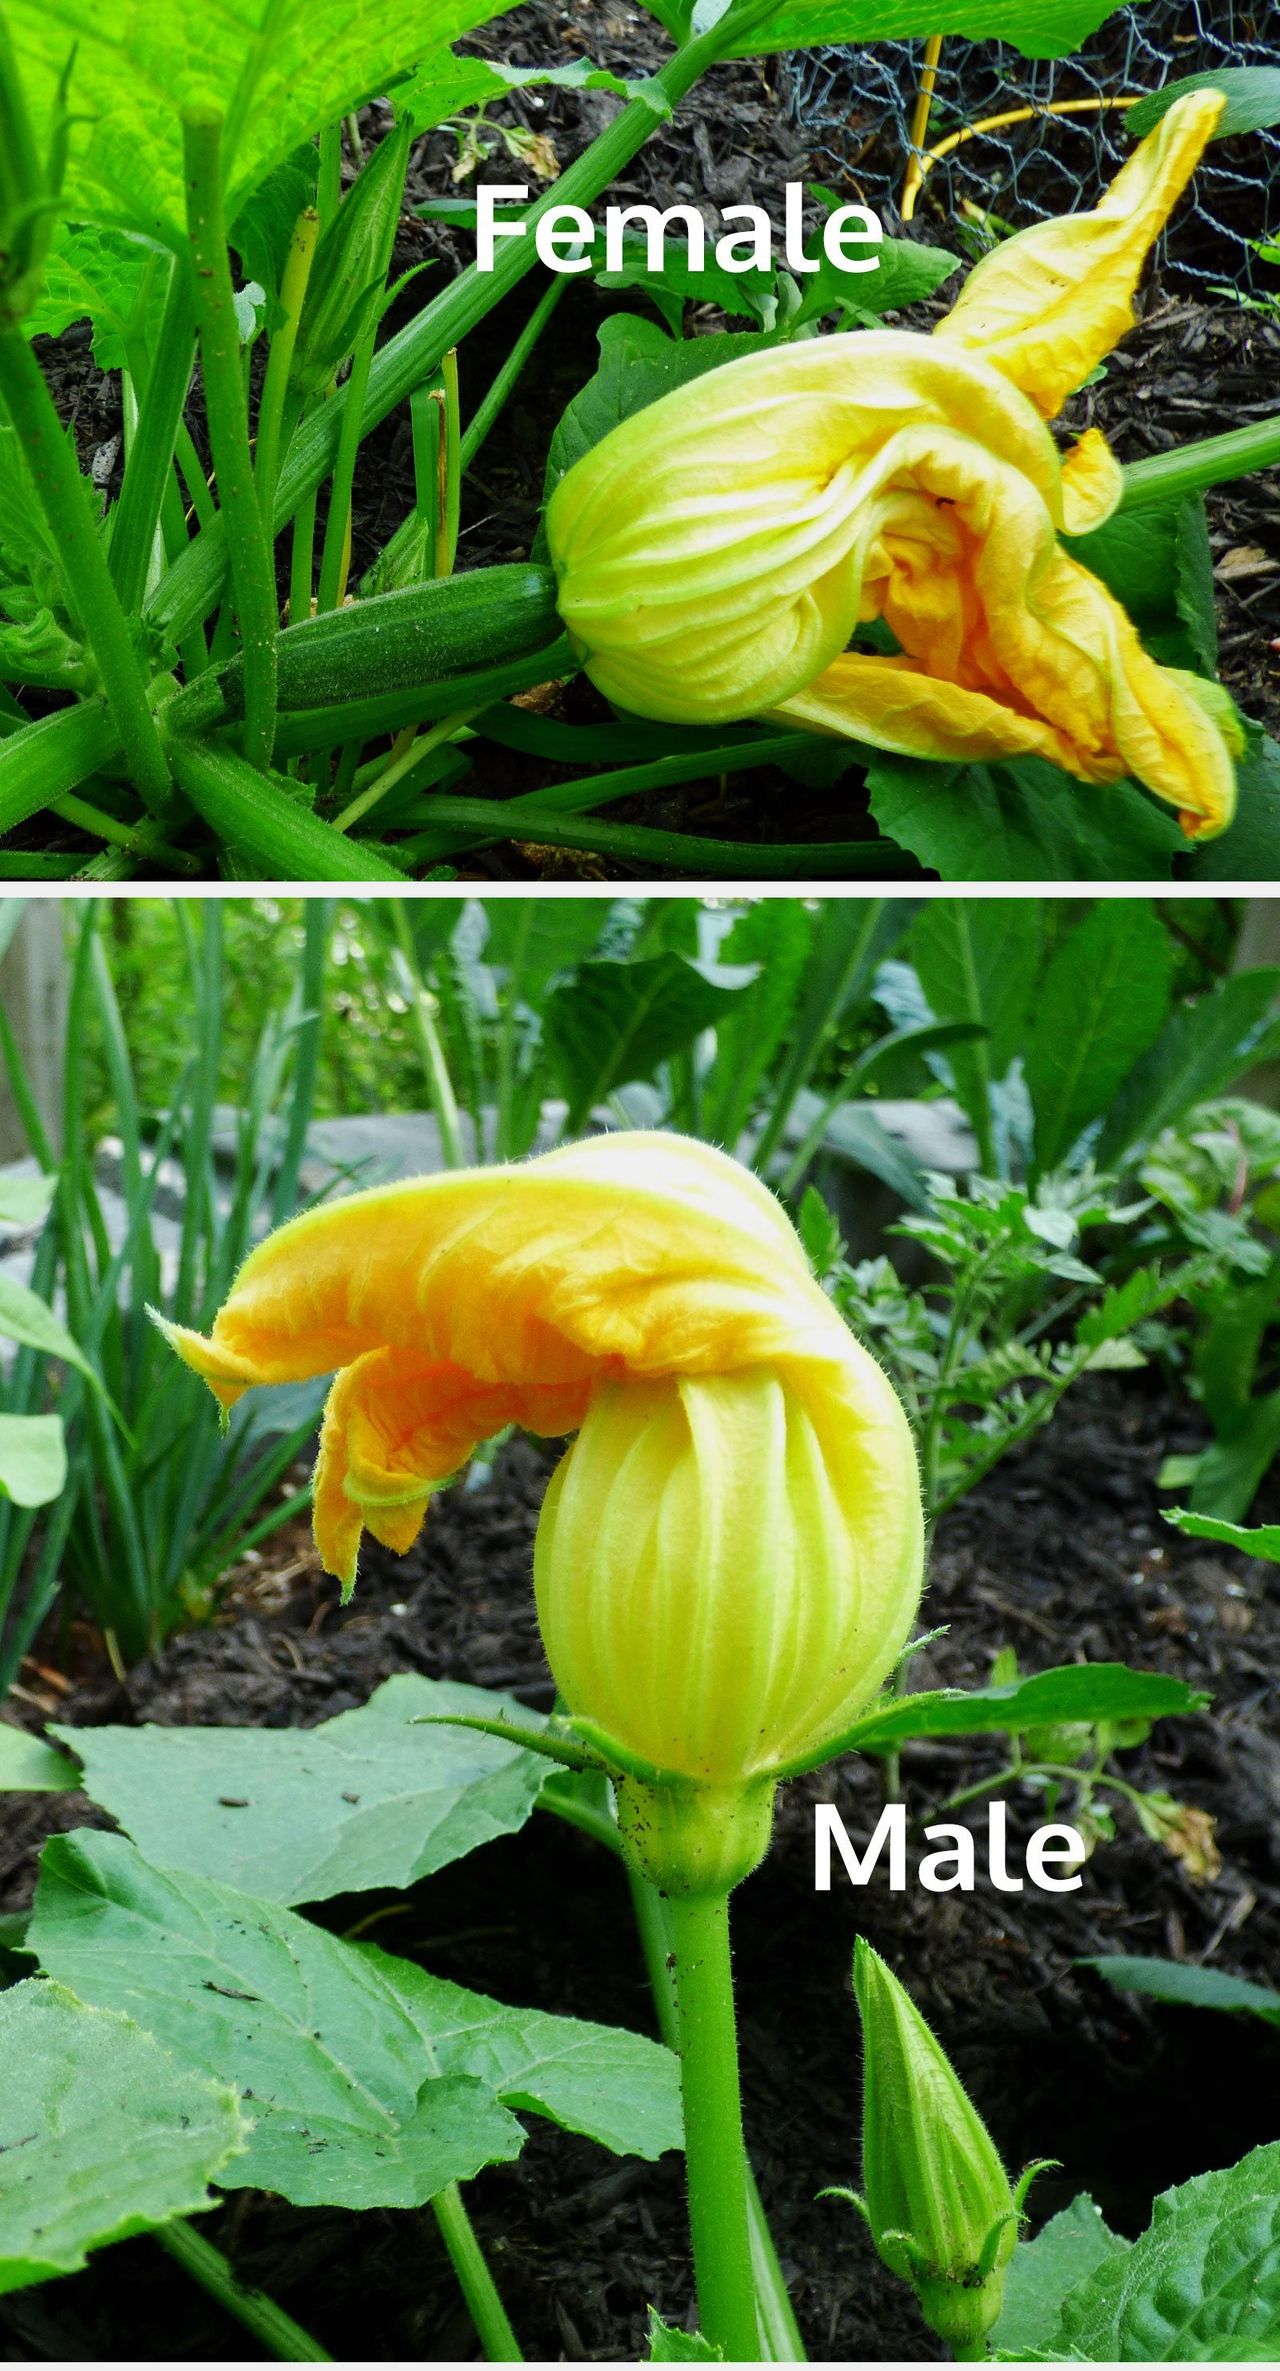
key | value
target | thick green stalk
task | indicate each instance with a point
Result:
(258, 814)
(472, 822)
(148, 470)
(65, 500)
(49, 758)
(474, 2278)
(275, 2330)
(192, 587)
(715, 2152)
(1211, 461)
(248, 543)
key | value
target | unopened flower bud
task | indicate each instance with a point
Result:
(725, 1576)
(938, 2200)
(348, 275)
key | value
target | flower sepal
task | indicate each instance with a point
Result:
(689, 1838)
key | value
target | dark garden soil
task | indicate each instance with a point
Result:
(1195, 367)
(1063, 1554)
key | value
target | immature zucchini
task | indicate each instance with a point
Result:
(398, 640)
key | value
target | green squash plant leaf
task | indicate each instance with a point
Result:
(277, 71)
(373, 2083)
(102, 2132)
(296, 1815)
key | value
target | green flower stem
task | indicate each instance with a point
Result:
(275, 385)
(715, 2152)
(800, 860)
(474, 2278)
(780, 2337)
(276, 2331)
(248, 544)
(494, 403)
(65, 500)
(148, 469)
(449, 505)
(335, 552)
(144, 843)
(1211, 461)
(302, 560)
(386, 776)
(444, 1102)
(192, 587)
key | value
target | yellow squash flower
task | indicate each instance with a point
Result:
(730, 1556)
(717, 551)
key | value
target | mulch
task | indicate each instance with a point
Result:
(1062, 1553)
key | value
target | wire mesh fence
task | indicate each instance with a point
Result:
(856, 108)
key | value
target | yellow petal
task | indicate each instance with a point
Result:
(463, 1302)
(1046, 306)
(1011, 646)
(709, 550)
(1092, 483)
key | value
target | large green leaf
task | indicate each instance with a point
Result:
(1159, 564)
(1200, 1051)
(33, 1459)
(615, 2087)
(612, 1024)
(776, 933)
(1020, 821)
(276, 70)
(1040, 28)
(373, 2083)
(1250, 849)
(102, 2133)
(350, 2109)
(116, 281)
(1043, 2270)
(976, 960)
(1075, 1692)
(1103, 1002)
(296, 1815)
(28, 1766)
(1188, 1985)
(1201, 2286)
(1264, 1540)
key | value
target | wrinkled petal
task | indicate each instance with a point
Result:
(709, 549)
(1092, 483)
(457, 1304)
(1046, 306)
(1010, 646)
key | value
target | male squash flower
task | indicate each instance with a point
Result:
(729, 1559)
(717, 551)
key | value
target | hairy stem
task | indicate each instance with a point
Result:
(275, 2330)
(1211, 461)
(715, 2152)
(474, 2278)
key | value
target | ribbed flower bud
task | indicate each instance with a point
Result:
(941, 2209)
(348, 276)
(724, 1579)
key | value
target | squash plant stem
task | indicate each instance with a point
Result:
(249, 547)
(148, 468)
(1211, 461)
(715, 2152)
(474, 2278)
(67, 506)
(275, 2330)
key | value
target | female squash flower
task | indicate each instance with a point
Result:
(717, 551)
(729, 1559)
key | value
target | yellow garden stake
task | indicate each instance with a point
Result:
(729, 1557)
(920, 125)
(923, 165)
(717, 552)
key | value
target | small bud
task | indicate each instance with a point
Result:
(723, 1583)
(349, 271)
(937, 2198)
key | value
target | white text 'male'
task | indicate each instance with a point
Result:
(951, 1867)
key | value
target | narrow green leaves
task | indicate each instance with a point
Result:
(1076, 1692)
(1187, 1985)
(102, 2132)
